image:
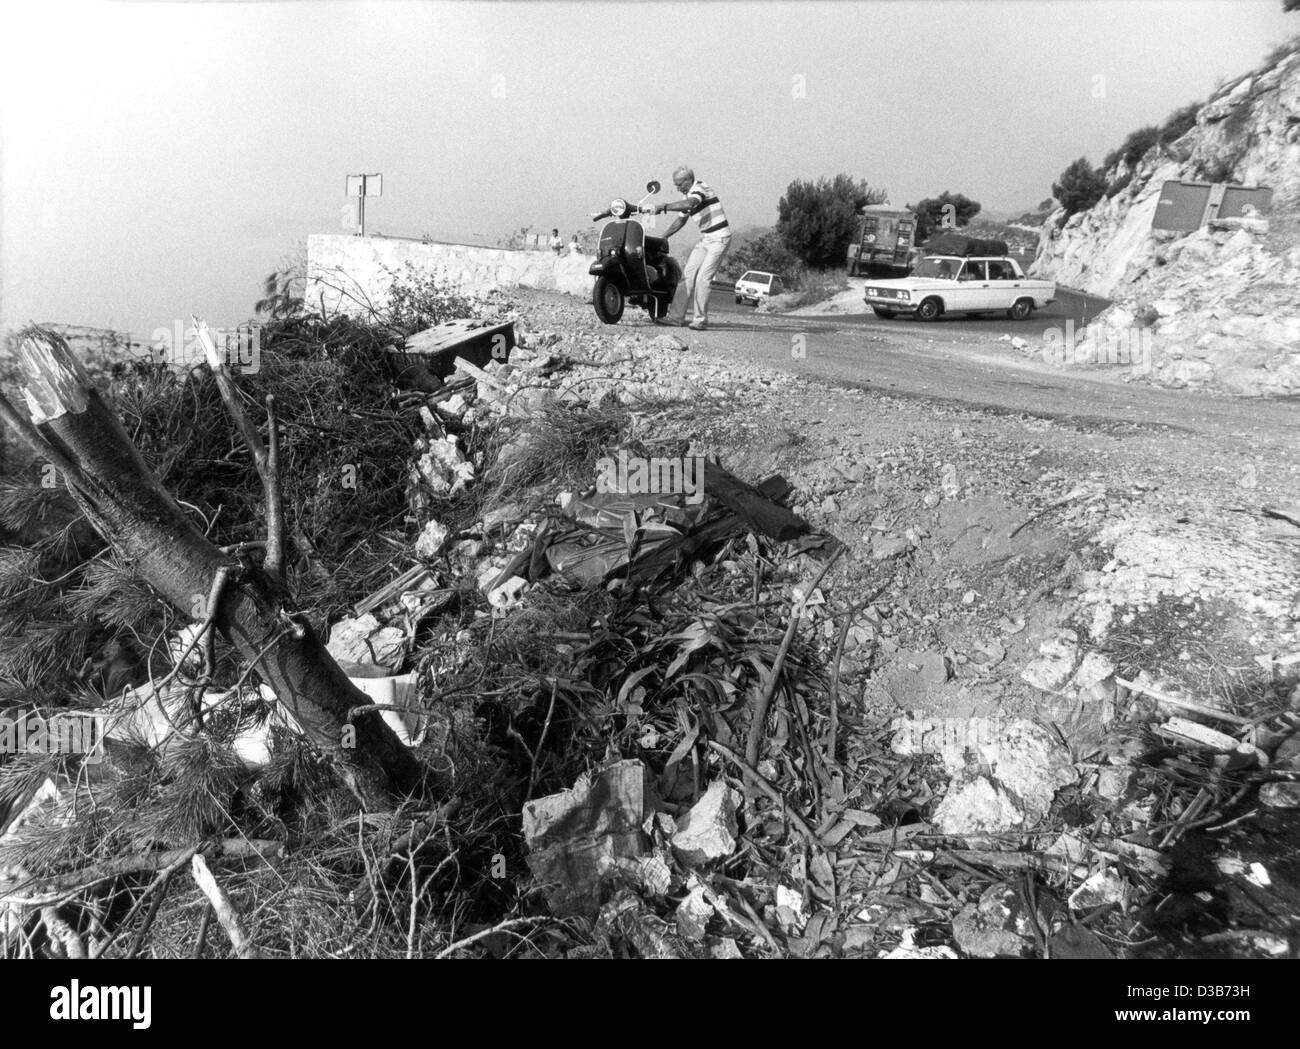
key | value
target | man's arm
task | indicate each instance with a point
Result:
(688, 206)
(677, 224)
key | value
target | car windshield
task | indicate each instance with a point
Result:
(755, 277)
(935, 267)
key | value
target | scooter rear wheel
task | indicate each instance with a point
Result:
(607, 299)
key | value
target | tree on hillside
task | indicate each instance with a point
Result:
(817, 221)
(1079, 187)
(945, 210)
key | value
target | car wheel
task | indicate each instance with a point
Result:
(607, 299)
(880, 311)
(739, 300)
(1021, 309)
(929, 309)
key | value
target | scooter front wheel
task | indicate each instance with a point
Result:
(607, 298)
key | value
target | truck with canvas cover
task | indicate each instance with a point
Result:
(885, 239)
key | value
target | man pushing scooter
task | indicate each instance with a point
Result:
(715, 238)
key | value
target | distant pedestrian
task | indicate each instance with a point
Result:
(574, 247)
(557, 245)
(715, 239)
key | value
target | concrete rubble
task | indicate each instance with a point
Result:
(1004, 773)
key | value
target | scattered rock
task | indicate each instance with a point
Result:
(948, 482)
(669, 342)
(708, 831)
(1113, 783)
(933, 668)
(454, 407)
(725, 948)
(1005, 772)
(442, 466)
(908, 948)
(884, 548)
(1098, 889)
(977, 806)
(1094, 670)
(995, 927)
(1057, 658)
(431, 539)
(693, 915)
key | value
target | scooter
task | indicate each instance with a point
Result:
(632, 266)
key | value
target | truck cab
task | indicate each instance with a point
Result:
(884, 240)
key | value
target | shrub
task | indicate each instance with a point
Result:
(1079, 188)
(1119, 185)
(1137, 144)
(1179, 122)
(1287, 47)
(418, 299)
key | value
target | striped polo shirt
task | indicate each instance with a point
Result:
(707, 210)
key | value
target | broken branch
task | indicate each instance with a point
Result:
(222, 908)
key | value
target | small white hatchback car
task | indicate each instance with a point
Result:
(755, 286)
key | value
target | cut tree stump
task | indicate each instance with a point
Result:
(69, 425)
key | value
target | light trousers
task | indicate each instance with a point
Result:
(700, 270)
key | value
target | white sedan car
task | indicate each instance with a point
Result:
(952, 284)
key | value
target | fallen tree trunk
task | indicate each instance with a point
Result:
(72, 427)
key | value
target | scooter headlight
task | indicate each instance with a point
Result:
(618, 208)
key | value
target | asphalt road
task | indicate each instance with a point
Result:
(962, 362)
(1069, 305)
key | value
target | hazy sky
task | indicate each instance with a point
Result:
(160, 158)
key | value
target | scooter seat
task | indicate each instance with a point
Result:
(656, 245)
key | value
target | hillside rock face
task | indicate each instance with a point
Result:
(1222, 305)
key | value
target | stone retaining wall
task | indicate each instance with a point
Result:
(347, 271)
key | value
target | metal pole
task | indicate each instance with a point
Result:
(362, 205)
